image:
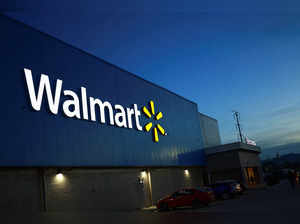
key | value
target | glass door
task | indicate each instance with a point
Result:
(252, 175)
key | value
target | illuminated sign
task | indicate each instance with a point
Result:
(117, 114)
(149, 125)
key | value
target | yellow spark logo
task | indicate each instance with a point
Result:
(149, 125)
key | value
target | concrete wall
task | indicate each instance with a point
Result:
(249, 159)
(228, 174)
(20, 190)
(95, 189)
(90, 189)
(231, 164)
(167, 181)
(222, 161)
(224, 165)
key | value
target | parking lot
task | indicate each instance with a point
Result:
(279, 198)
(277, 204)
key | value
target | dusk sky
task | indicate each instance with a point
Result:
(223, 55)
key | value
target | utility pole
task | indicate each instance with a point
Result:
(236, 116)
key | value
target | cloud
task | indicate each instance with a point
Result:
(270, 132)
(275, 128)
(286, 110)
(279, 138)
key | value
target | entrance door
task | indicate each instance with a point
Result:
(252, 175)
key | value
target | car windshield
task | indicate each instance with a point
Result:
(183, 192)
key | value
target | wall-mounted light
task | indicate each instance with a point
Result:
(143, 174)
(143, 177)
(59, 176)
(186, 172)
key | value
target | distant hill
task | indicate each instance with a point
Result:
(292, 148)
(287, 158)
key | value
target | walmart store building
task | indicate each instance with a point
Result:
(78, 133)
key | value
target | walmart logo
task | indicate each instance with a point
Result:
(93, 109)
(157, 117)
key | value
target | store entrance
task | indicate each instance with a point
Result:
(252, 175)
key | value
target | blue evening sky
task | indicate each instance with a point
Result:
(224, 55)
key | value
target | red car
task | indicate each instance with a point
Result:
(187, 197)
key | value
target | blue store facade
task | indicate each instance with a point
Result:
(70, 113)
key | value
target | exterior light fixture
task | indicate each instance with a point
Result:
(59, 176)
(143, 174)
(186, 172)
(142, 177)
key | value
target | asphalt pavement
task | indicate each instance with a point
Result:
(277, 204)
